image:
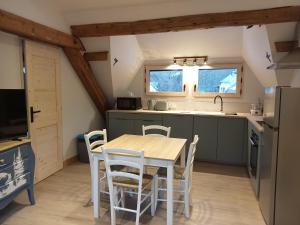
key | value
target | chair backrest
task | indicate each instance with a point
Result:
(191, 156)
(167, 130)
(91, 145)
(115, 158)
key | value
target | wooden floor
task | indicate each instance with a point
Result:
(221, 195)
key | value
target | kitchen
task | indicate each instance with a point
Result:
(236, 88)
(232, 129)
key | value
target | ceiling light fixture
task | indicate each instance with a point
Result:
(193, 60)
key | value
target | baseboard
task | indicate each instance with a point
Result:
(70, 161)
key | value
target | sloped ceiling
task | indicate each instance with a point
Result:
(283, 32)
(218, 42)
(156, 9)
(255, 47)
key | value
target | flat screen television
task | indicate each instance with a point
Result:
(13, 114)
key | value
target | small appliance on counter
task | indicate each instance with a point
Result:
(129, 103)
(150, 104)
(161, 106)
(256, 109)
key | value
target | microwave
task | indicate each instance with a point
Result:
(129, 103)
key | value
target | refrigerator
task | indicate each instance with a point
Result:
(280, 157)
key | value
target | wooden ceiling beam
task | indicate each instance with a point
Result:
(29, 29)
(201, 21)
(96, 56)
(85, 74)
(285, 46)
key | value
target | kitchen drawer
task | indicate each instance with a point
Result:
(14, 171)
(14, 185)
(148, 117)
(121, 115)
(14, 155)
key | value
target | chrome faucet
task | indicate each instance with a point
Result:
(218, 96)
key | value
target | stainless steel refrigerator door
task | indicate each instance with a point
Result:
(287, 204)
(272, 106)
(268, 173)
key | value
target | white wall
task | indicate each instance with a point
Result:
(296, 79)
(130, 60)
(255, 46)
(10, 62)
(252, 91)
(79, 112)
(101, 69)
(38, 11)
(217, 42)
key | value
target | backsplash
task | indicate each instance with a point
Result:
(202, 105)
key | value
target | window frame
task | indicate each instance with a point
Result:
(170, 94)
(239, 81)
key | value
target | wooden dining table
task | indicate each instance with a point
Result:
(158, 151)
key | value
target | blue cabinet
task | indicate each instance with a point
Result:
(16, 173)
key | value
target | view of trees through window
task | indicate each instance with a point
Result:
(217, 80)
(165, 80)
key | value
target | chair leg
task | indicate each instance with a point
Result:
(153, 198)
(122, 198)
(155, 190)
(186, 200)
(112, 215)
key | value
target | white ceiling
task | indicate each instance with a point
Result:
(78, 5)
(216, 43)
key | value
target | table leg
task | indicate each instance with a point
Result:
(182, 157)
(170, 177)
(96, 194)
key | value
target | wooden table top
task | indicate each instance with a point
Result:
(11, 144)
(154, 147)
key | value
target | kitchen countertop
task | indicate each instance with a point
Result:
(253, 119)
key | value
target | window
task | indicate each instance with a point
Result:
(164, 82)
(222, 80)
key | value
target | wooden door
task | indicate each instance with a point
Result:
(43, 93)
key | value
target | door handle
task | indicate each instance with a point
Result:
(32, 112)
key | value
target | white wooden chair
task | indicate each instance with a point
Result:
(159, 128)
(90, 146)
(128, 180)
(184, 175)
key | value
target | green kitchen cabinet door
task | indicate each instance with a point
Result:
(181, 126)
(145, 119)
(231, 137)
(207, 130)
(118, 127)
